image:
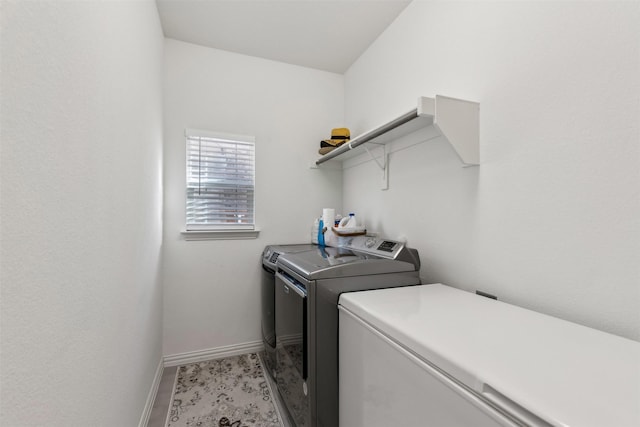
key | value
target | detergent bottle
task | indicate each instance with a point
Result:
(321, 232)
(349, 221)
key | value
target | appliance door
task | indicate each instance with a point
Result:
(382, 384)
(291, 347)
(268, 317)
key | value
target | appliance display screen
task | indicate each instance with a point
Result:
(386, 246)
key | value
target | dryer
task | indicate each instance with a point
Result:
(270, 256)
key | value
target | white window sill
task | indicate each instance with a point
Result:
(220, 234)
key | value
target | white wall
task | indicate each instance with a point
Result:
(81, 207)
(212, 288)
(551, 219)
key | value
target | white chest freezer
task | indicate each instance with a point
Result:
(433, 355)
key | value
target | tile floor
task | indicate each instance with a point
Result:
(160, 408)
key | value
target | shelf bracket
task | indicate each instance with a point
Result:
(384, 166)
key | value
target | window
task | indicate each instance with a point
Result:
(220, 181)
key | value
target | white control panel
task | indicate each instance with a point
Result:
(374, 245)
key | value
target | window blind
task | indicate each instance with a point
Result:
(220, 181)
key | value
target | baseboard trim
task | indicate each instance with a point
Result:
(151, 397)
(212, 353)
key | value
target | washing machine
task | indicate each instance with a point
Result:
(308, 285)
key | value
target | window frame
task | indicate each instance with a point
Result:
(194, 231)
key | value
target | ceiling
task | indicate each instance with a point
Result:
(324, 34)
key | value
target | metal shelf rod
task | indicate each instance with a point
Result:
(369, 136)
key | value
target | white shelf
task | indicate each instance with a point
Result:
(455, 119)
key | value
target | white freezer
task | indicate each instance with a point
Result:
(433, 355)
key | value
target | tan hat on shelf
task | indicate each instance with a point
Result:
(338, 137)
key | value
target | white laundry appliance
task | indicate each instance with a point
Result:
(433, 355)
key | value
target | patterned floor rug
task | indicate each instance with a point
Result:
(229, 392)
